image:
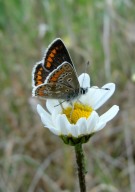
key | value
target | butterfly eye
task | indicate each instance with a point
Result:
(83, 91)
(67, 90)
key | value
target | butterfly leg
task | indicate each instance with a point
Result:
(60, 103)
(72, 105)
(79, 100)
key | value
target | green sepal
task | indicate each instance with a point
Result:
(72, 141)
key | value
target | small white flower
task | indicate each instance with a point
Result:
(82, 119)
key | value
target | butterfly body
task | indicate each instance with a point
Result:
(55, 76)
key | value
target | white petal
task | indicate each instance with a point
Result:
(102, 95)
(82, 126)
(110, 114)
(84, 80)
(66, 104)
(92, 121)
(103, 119)
(62, 124)
(73, 130)
(46, 123)
(89, 97)
(54, 130)
(99, 126)
(51, 104)
(46, 118)
(54, 116)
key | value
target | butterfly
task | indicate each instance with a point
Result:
(55, 76)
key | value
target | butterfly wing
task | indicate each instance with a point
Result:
(52, 91)
(55, 55)
(62, 83)
(38, 74)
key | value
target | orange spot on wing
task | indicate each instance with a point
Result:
(50, 59)
(48, 64)
(56, 75)
(39, 82)
(39, 73)
(41, 91)
(53, 79)
(51, 55)
(39, 77)
(54, 51)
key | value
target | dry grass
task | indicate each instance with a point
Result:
(33, 159)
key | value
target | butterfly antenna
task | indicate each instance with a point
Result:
(60, 103)
(107, 89)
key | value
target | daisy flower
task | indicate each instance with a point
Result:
(77, 122)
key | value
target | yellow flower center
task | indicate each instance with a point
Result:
(77, 111)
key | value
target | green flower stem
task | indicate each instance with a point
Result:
(80, 166)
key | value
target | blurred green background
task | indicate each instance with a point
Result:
(103, 32)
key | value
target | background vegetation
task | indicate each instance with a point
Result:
(103, 32)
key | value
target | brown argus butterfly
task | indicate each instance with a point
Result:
(55, 76)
